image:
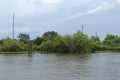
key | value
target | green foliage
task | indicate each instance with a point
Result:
(38, 40)
(95, 39)
(10, 45)
(47, 46)
(24, 37)
(60, 44)
(1, 41)
(53, 42)
(49, 35)
(78, 43)
(36, 47)
(81, 43)
(112, 42)
(98, 45)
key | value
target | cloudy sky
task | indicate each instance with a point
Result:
(35, 17)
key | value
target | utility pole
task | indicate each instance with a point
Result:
(13, 25)
(82, 28)
(96, 34)
(13, 31)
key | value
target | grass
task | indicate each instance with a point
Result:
(25, 52)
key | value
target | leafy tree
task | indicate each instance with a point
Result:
(36, 47)
(69, 42)
(47, 46)
(78, 43)
(49, 35)
(97, 43)
(95, 39)
(1, 41)
(24, 37)
(60, 44)
(51, 41)
(11, 46)
(81, 43)
(38, 40)
(112, 40)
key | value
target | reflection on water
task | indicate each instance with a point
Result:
(30, 55)
(41, 66)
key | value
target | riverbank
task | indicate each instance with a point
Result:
(46, 52)
(14, 52)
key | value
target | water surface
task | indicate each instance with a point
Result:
(41, 66)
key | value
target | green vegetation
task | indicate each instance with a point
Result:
(51, 41)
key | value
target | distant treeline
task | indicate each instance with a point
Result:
(51, 41)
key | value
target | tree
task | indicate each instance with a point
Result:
(10, 46)
(47, 46)
(81, 43)
(1, 41)
(38, 40)
(24, 37)
(78, 43)
(97, 43)
(95, 39)
(60, 44)
(111, 40)
(49, 35)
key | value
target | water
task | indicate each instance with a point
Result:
(40, 66)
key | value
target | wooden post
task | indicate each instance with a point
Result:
(30, 51)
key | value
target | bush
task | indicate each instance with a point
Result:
(46, 46)
(11, 46)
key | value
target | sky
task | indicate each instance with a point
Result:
(35, 17)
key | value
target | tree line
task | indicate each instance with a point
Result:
(51, 41)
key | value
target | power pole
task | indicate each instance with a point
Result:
(96, 34)
(82, 28)
(13, 31)
(13, 25)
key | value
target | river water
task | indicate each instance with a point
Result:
(41, 66)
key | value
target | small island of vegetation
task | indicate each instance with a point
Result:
(51, 41)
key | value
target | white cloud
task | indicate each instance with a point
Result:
(51, 2)
(32, 1)
(103, 6)
(118, 1)
(23, 29)
(4, 31)
(17, 30)
(23, 7)
(29, 7)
